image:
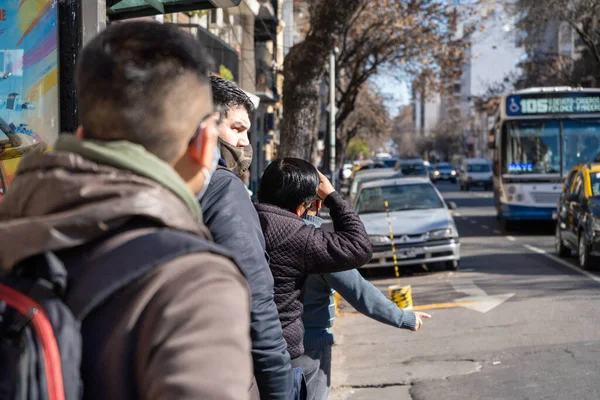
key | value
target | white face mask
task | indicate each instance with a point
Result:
(209, 174)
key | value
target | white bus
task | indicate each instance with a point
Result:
(539, 135)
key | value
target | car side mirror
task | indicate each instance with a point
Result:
(451, 205)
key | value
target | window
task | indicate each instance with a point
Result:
(478, 168)
(595, 181)
(565, 39)
(213, 16)
(457, 88)
(532, 147)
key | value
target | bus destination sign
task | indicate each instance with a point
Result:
(552, 103)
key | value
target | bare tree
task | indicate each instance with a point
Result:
(369, 120)
(414, 36)
(304, 67)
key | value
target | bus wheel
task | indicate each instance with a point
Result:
(508, 226)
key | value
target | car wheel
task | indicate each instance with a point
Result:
(451, 265)
(586, 261)
(559, 245)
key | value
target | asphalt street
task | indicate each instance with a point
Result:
(526, 324)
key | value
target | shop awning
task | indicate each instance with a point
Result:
(123, 9)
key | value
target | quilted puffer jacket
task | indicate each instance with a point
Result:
(296, 250)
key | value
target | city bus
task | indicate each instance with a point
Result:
(539, 135)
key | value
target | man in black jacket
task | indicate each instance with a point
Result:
(233, 222)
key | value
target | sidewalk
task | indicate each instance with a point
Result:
(373, 361)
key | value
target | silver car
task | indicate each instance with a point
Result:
(424, 231)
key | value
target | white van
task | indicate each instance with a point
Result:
(476, 172)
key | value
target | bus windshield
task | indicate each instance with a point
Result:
(581, 142)
(532, 147)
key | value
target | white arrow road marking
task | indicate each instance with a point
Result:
(468, 287)
(486, 303)
(483, 302)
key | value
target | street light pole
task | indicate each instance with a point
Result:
(332, 112)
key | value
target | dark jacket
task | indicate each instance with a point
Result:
(296, 250)
(319, 307)
(162, 337)
(233, 222)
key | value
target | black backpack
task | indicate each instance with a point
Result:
(41, 311)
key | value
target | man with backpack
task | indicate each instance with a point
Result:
(107, 230)
(233, 222)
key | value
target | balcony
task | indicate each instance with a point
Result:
(124, 9)
(266, 22)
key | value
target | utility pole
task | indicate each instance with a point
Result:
(332, 113)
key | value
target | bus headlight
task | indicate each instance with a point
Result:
(511, 190)
(520, 197)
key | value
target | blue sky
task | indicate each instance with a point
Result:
(396, 91)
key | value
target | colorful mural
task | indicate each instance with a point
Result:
(29, 91)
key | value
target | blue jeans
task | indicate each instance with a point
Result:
(318, 388)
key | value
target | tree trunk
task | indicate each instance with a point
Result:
(304, 67)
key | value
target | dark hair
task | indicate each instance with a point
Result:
(134, 80)
(288, 183)
(227, 94)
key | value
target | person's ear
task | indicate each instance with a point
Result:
(300, 210)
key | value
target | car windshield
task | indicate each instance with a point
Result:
(444, 167)
(581, 142)
(419, 196)
(478, 168)
(595, 181)
(359, 180)
(413, 169)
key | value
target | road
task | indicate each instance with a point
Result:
(528, 328)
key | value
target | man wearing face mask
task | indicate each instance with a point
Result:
(233, 222)
(117, 205)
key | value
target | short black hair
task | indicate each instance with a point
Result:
(133, 82)
(288, 183)
(227, 94)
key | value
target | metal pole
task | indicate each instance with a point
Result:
(332, 112)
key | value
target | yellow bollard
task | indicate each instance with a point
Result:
(402, 296)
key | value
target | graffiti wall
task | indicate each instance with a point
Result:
(29, 91)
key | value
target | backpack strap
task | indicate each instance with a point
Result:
(114, 270)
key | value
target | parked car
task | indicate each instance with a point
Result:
(390, 162)
(413, 167)
(476, 172)
(578, 216)
(444, 172)
(368, 176)
(423, 229)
